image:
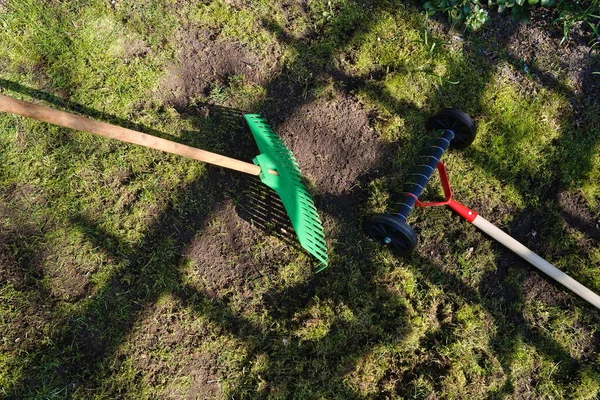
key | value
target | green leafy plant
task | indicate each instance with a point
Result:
(520, 9)
(571, 13)
(475, 15)
(477, 18)
(468, 11)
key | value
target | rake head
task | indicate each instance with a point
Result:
(287, 183)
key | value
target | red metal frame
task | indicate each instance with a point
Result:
(460, 209)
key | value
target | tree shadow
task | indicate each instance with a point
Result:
(262, 207)
(78, 348)
(93, 334)
(501, 307)
(20, 253)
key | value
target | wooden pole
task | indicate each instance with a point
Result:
(68, 120)
(537, 261)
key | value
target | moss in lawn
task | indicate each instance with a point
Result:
(395, 43)
(294, 274)
(580, 158)
(375, 324)
(153, 20)
(100, 71)
(521, 131)
(587, 385)
(238, 94)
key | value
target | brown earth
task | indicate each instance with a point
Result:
(333, 142)
(135, 48)
(228, 253)
(67, 275)
(338, 151)
(205, 59)
(163, 326)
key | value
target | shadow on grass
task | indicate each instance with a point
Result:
(508, 304)
(152, 268)
(261, 207)
(76, 353)
(77, 350)
(20, 249)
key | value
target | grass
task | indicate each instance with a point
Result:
(105, 292)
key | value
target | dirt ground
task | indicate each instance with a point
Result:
(205, 61)
(338, 151)
(538, 53)
(336, 147)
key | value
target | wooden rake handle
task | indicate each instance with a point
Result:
(537, 261)
(61, 118)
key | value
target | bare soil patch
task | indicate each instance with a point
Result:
(68, 276)
(135, 48)
(336, 150)
(333, 143)
(165, 328)
(227, 253)
(204, 60)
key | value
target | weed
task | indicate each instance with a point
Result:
(474, 15)
(571, 13)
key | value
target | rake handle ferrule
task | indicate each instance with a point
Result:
(462, 210)
(537, 261)
(68, 120)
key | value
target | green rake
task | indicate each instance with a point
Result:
(276, 165)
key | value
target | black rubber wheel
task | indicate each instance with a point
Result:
(392, 232)
(460, 123)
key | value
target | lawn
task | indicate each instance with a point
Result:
(130, 273)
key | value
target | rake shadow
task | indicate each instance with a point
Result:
(176, 228)
(513, 322)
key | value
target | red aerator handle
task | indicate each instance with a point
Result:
(508, 241)
(460, 209)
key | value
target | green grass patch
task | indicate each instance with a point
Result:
(107, 285)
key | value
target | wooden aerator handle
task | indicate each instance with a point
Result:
(68, 120)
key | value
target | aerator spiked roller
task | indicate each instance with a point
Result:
(276, 165)
(454, 129)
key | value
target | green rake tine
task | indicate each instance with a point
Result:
(286, 179)
(307, 206)
(288, 184)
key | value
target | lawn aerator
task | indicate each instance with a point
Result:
(453, 129)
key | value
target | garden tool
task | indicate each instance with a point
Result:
(275, 165)
(454, 129)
